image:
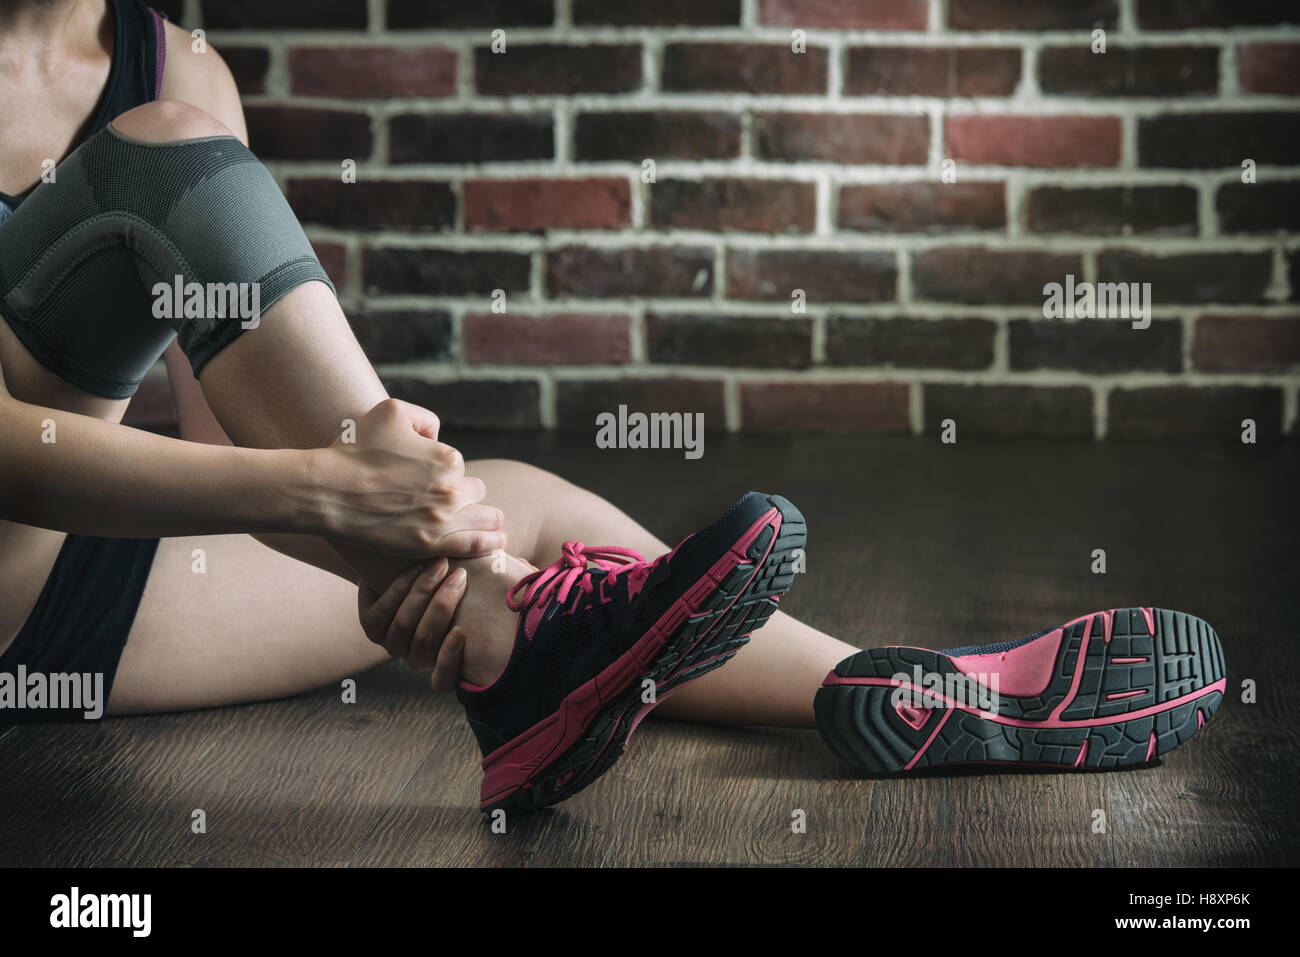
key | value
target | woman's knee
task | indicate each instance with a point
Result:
(168, 121)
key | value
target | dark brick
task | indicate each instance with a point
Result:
(1191, 277)
(735, 341)
(743, 68)
(1293, 274)
(473, 403)
(433, 272)
(350, 72)
(334, 259)
(1095, 345)
(907, 343)
(1269, 68)
(923, 207)
(661, 13)
(248, 65)
(538, 205)
(802, 407)
(1246, 343)
(1160, 412)
(1041, 141)
(1007, 410)
(403, 335)
(1113, 210)
(571, 338)
(824, 275)
(1259, 207)
(749, 205)
(656, 135)
(300, 132)
(846, 14)
(675, 271)
(932, 71)
(420, 14)
(579, 401)
(373, 204)
(285, 15)
(1129, 71)
(976, 275)
(1209, 140)
(1032, 14)
(470, 137)
(843, 137)
(1190, 14)
(558, 68)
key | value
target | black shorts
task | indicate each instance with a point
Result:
(81, 620)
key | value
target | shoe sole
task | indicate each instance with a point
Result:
(1127, 685)
(700, 632)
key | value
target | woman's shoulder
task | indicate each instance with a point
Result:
(195, 73)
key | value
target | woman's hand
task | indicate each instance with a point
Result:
(412, 620)
(397, 489)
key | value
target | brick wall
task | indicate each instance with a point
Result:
(820, 171)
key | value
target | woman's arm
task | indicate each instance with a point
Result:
(79, 474)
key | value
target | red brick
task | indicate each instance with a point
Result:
(473, 403)
(843, 137)
(1269, 68)
(433, 272)
(300, 132)
(536, 205)
(421, 14)
(932, 71)
(1032, 14)
(992, 276)
(675, 271)
(372, 72)
(660, 13)
(1095, 345)
(557, 68)
(1041, 141)
(1191, 14)
(743, 68)
(803, 407)
(909, 343)
(769, 342)
(846, 14)
(1159, 412)
(334, 258)
(657, 134)
(749, 205)
(823, 275)
(373, 204)
(579, 401)
(569, 338)
(923, 207)
(1164, 71)
(1006, 410)
(1246, 343)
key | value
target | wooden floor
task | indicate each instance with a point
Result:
(909, 542)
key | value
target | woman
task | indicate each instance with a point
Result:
(296, 475)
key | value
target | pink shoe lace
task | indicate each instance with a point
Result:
(558, 579)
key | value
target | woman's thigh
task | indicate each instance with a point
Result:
(224, 619)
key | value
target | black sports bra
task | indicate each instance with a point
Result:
(135, 77)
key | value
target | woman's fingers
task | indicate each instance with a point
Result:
(402, 629)
(434, 624)
(377, 611)
(447, 670)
